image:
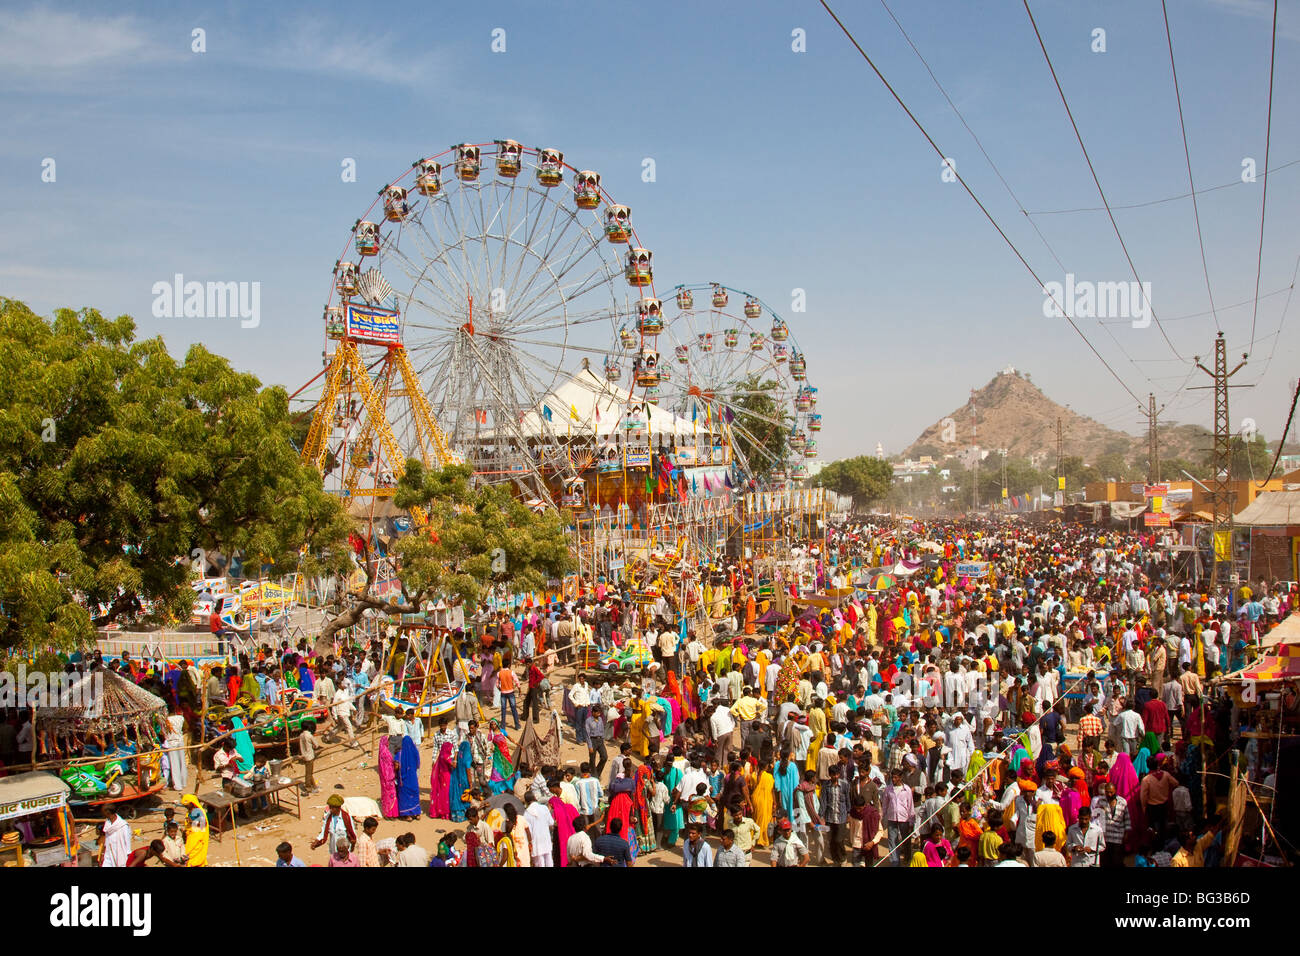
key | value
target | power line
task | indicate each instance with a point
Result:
(1198, 315)
(1157, 202)
(1006, 185)
(1101, 192)
(1286, 307)
(1196, 210)
(1263, 204)
(987, 215)
(1282, 440)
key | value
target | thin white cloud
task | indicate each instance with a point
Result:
(312, 47)
(40, 39)
(39, 44)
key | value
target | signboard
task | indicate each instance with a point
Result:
(636, 459)
(370, 325)
(972, 569)
(1160, 490)
(1158, 520)
(30, 805)
(1222, 545)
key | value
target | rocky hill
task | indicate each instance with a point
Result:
(1013, 413)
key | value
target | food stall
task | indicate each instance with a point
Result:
(36, 827)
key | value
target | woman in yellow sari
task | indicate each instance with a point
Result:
(640, 708)
(196, 832)
(760, 796)
(1050, 819)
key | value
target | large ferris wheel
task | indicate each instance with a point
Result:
(722, 357)
(489, 270)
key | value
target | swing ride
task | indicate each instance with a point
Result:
(415, 681)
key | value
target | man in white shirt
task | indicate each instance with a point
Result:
(1085, 841)
(580, 698)
(538, 817)
(721, 725)
(1129, 729)
(693, 650)
(580, 851)
(117, 838)
(692, 776)
(961, 743)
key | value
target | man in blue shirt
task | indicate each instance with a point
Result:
(284, 852)
(613, 847)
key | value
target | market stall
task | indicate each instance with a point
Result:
(36, 827)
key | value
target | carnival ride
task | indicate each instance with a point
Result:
(473, 283)
(415, 682)
(731, 367)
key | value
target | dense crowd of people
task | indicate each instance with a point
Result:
(1053, 709)
(986, 695)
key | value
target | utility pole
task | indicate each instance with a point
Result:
(1151, 414)
(1059, 497)
(975, 451)
(1220, 482)
(1006, 502)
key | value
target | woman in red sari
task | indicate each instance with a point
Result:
(644, 787)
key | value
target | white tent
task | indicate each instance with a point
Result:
(588, 404)
(1271, 509)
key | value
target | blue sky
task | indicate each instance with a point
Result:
(775, 170)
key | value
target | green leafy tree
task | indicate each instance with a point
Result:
(117, 462)
(761, 427)
(865, 479)
(1250, 457)
(475, 538)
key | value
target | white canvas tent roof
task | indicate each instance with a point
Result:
(599, 405)
(1288, 632)
(1271, 509)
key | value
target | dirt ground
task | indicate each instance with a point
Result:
(349, 773)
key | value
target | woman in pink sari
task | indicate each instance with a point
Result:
(387, 780)
(440, 784)
(565, 814)
(1125, 778)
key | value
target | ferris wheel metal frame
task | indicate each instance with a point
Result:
(709, 341)
(502, 268)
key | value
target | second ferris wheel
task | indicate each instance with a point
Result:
(722, 357)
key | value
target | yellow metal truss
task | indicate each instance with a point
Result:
(346, 366)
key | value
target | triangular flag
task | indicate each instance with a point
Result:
(573, 412)
(546, 412)
(730, 416)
